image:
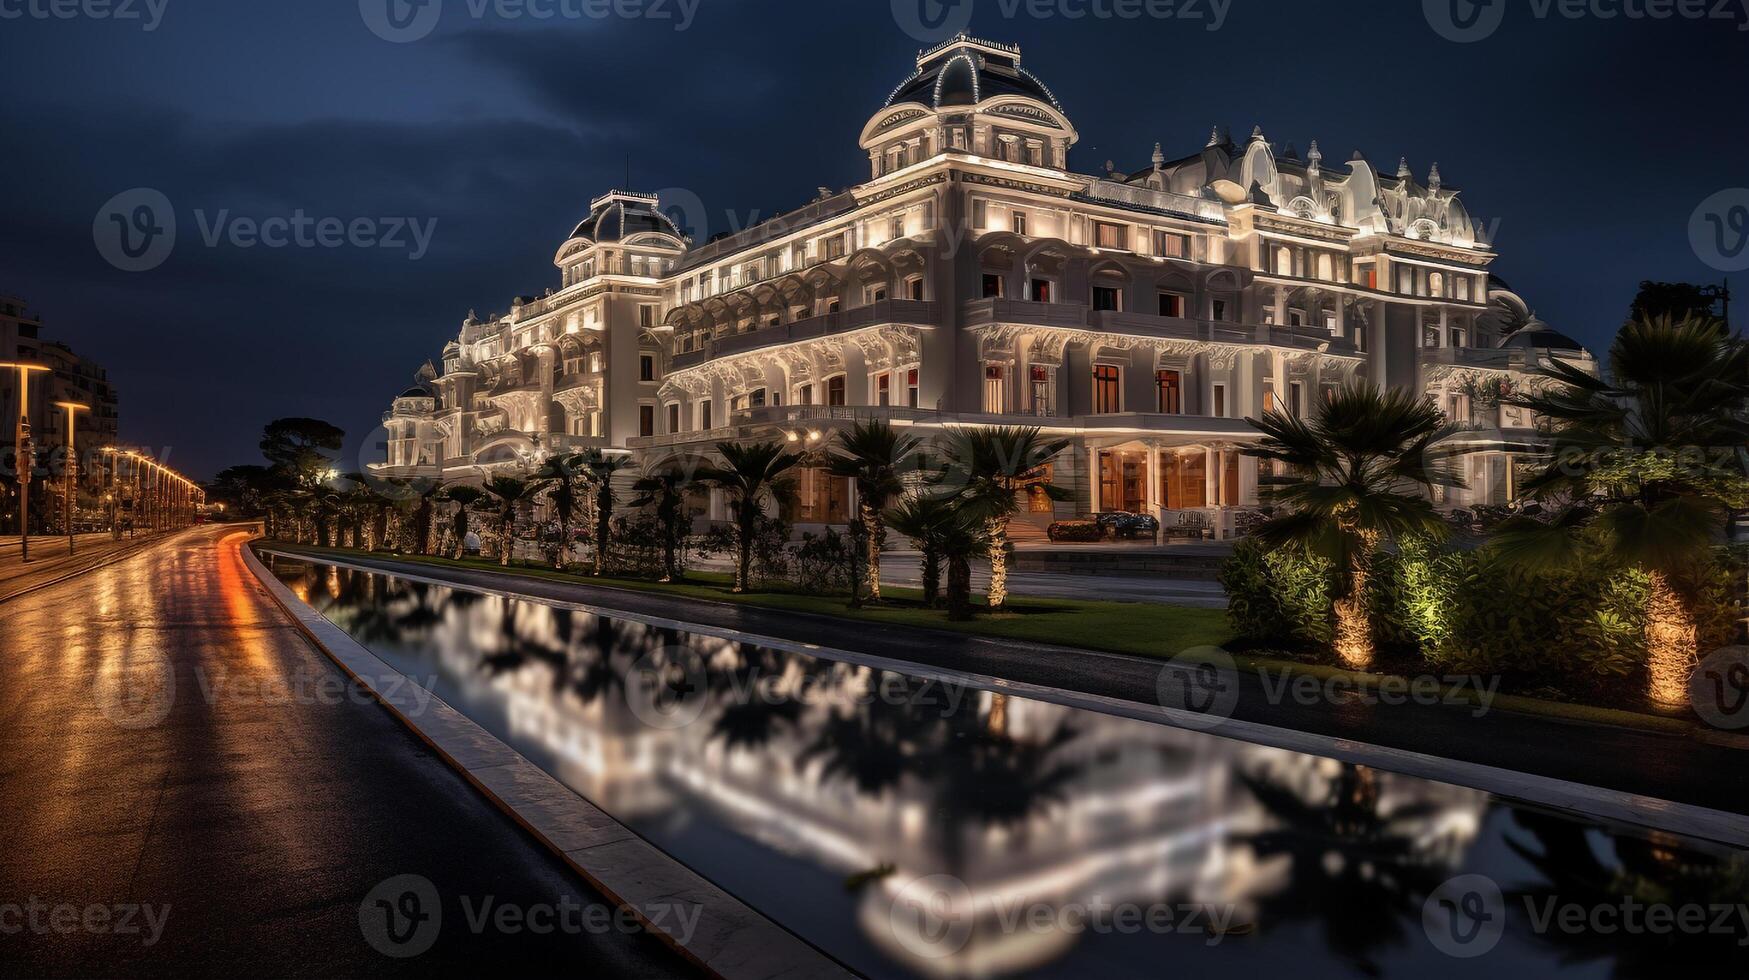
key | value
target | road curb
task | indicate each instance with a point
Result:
(732, 940)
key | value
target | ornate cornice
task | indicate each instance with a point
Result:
(1011, 184)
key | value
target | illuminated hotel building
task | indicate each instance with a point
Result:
(976, 279)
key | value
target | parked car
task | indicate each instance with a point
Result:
(1127, 526)
(1099, 527)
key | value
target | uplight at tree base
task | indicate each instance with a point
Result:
(1353, 639)
(998, 574)
(1672, 642)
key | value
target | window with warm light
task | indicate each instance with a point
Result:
(1107, 389)
(1169, 386)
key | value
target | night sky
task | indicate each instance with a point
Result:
(1589, 142)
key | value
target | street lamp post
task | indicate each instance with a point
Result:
(111, 492)
(72, 467)
(22, 461)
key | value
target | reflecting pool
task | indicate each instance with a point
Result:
(915, 829)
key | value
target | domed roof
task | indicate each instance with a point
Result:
(617, 216)
(414, 392)
(966, 71)
(1540, 336)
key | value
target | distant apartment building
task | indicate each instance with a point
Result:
(72, 378)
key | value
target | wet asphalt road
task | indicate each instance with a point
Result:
(1666, 767)
(173, 753)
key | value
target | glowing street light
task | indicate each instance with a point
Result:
(22, 454)
(72, 467)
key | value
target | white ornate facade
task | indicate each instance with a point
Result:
(975, 279)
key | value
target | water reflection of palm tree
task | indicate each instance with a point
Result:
(424, 614)
(1653, 870)
(874, 745)
(1352, 866)
(752, 706)
(989, 777)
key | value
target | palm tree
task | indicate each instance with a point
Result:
(463, 497)
(663, 488)
(602, 468)
(1644, 465)
(921, 517)
(1360, 473)
(986, 469)
(877, 457)
(751, 475)
(558, 480)
(964, 534)
(424, 494)
(511, 492)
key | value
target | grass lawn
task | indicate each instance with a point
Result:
(1118, 627)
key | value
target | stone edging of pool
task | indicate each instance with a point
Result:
(1613, 806)
(730, 939)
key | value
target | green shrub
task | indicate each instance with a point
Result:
(1581, 625)
(1076, 531)
(1280, 596)
(1414, 591)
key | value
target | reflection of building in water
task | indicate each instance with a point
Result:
(1028, 803)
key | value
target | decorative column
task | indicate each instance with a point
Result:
(544, 420)
(1152, 494)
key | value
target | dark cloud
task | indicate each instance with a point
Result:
(1590, 142)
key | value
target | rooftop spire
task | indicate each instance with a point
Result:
(1159, 157)
(1215, 136)
(1433, 180)
(1403, 169)
(1256, 134)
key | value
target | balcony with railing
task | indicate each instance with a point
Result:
(1009, 312)
(883, 313)
(1477, 358)
(769, 421)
